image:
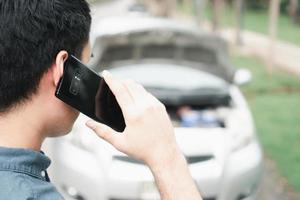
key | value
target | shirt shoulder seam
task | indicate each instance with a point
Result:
(24, 172)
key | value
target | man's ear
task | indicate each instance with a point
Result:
(58, 67)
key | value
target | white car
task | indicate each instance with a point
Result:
(189, 71)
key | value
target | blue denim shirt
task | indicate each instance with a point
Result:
(23, 176)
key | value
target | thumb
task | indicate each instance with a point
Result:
(105, 132)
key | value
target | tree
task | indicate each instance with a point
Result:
(217, 7)
(199, 9)
(274, 13)
(161, 8)
(239, 7)
(293, 10)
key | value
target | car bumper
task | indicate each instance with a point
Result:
(237, 179)
(242, 174)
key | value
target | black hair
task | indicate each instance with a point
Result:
(32, 32)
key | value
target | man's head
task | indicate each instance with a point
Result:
(36, 37)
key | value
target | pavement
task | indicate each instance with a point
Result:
(274, 186)
(283, 55)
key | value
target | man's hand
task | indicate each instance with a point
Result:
(149, 137)
(149, 134)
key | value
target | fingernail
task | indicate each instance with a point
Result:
(106, 73)
(90, 124)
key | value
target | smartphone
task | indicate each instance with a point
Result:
(87, 92)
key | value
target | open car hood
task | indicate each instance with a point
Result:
(148, 39)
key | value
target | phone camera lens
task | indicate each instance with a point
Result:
(75, 85)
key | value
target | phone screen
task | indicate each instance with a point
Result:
(107, 108)
(86, 91)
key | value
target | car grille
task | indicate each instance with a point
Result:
(198, 159)
(189, 159)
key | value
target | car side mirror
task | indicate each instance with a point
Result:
(242, 76)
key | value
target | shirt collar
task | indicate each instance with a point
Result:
(24, 161)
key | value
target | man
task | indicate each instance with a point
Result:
(36, 37)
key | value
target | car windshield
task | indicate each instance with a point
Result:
(196, 54)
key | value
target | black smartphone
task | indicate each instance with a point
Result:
(87, 92)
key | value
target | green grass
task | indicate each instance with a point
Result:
(256, 21)
(275, 104)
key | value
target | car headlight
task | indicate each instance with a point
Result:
(242, 130)
(240, 141)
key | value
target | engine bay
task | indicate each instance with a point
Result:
(198, 117)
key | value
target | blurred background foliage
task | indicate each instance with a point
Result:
(255, 16)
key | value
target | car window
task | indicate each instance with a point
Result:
(117, 53)
(159, 51)
(200, 55)
(196, 54)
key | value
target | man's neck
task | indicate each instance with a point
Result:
(19, 129)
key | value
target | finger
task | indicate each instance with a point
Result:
(125, 84)
(105, 132)
(118, 89)
(142, 97)
(141, 89)
(137, 91)
(148, 97)
(153, 98)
